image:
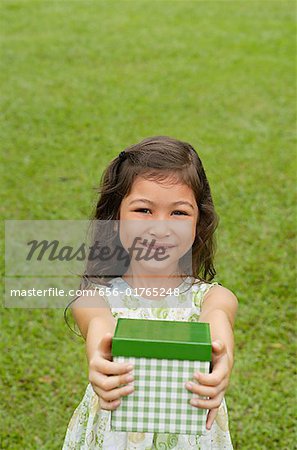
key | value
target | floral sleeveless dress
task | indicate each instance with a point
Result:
(88, 428)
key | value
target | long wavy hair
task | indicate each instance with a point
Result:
(154, 158)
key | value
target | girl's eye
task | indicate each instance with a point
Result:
(182, 212)
(141, 209)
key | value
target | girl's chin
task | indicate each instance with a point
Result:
(155, 267)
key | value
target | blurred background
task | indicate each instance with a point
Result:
(82, 80)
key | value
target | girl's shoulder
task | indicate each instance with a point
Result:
(201, 283)
(199, 289)
(203, 286)
(220, 298)
(220, 291)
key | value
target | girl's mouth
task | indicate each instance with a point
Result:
(157, 245)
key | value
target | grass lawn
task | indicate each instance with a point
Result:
(81, 80)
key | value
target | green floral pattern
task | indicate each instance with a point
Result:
(89, 426)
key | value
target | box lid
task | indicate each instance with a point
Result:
(164, 339)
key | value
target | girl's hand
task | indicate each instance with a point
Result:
(105, 376)
(214, 384)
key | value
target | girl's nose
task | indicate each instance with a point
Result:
(160, 229)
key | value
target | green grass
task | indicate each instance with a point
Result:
(81, 80)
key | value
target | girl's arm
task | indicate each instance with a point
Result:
(219, 309)
(94, 319)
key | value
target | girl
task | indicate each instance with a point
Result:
(158, 186)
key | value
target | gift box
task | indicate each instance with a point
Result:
(165, 355)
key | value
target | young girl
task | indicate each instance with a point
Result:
(159, 185)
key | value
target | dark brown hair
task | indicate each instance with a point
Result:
(157, 158)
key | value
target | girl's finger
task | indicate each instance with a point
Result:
(105, 346)
(219, 347)
(207, 404)
(206, 391)
(110, 406)
(110, 368)
(211, 417)
(219, 373)
(107, 383)
(116, 394)
(101, 386)
(212, 379)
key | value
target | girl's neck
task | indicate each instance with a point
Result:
(137, 279)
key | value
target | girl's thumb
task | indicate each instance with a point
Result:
(105, 343)
(218, 344)
(107, 338)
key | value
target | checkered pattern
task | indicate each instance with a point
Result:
(160, 401)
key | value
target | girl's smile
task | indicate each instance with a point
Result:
(156, 245)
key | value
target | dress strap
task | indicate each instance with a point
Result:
(207, 288)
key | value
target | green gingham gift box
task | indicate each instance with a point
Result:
(165, 355)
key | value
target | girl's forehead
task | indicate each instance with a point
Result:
(151, 187)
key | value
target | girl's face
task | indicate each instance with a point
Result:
(157, 213)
